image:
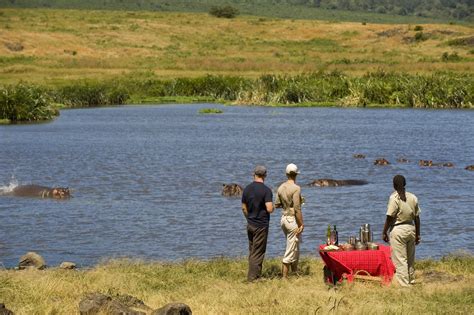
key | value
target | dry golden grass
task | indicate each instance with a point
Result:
(218, 287)
(69, 44)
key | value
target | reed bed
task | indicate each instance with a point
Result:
(25, 102)
(218, 286)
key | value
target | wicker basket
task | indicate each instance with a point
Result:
(363, 275)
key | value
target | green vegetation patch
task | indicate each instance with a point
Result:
(210, 111)
(25, 103)
(462, 41)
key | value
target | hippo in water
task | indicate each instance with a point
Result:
(430, 163)
(469, 168)
(232, 190)
(40, 192)
(327, 182)
(381, 161)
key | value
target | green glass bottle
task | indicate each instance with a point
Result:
(328, 235)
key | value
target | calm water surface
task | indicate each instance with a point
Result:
(146, 180)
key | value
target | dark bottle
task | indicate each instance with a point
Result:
(335, 236)
(328, 235)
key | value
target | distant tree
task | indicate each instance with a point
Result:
(227, 11)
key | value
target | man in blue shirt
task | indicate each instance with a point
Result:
(257, 204)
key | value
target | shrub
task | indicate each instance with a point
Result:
(419, 36)
(89, 93)
(25, 103)
(210, 111)
(418, 28)
(447, 57)
(227, 11)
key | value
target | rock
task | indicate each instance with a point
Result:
(98, 303)
(31, 259)
(131, 301)
(381, 161)
(469, 168)
(67, 265)
(4, 310)
(173, 309)
(232, 190)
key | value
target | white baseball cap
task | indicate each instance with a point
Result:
(292, 168)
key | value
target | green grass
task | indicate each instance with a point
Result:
(210, 111)
(218, 286)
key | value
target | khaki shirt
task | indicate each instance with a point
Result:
(289, 198)
(403, 211)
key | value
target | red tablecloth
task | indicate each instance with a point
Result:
(346, 263)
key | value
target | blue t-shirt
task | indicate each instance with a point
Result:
(255, 196)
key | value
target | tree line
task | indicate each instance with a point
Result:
(437, 9)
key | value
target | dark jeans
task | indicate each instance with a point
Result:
(257, 247)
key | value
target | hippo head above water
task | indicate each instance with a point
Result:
(60, 192)
(232, 190)
(41, 192)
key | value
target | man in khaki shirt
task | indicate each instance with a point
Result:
(289, 199)
(403, 218)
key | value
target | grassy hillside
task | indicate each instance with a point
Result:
(380, 11)
(218, 287)
(55, 46)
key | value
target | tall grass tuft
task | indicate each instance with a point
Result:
(90, 93)
(25, 103)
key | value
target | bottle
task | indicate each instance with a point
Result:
(328, 235)
(336, 236)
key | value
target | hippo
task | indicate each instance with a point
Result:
(430, 163)
(358, 156)
(381, 161)
(469, 167)
(232, 190)
(402, 160)
(41, 192)
(327, 182)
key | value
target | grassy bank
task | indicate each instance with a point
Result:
(218, 287)
(57, 46)
(23, 102)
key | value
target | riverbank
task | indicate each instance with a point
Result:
(25, 102)
(218, 287)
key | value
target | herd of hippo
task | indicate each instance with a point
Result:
(235, 190)
(228, 190)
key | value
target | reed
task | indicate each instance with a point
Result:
(25, 103)
(218, 286)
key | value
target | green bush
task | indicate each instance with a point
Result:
(227, 11)
(447, 57)
(25, 103)
(89, 93)
(210, 111)
(418, 28)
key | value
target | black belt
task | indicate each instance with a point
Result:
(402, 223)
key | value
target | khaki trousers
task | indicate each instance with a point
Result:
(402, 240)
(290, 227)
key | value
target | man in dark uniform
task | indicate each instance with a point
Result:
(257, 204)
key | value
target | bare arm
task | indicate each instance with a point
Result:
(269, 206)
(245, 210)
(417, 227)
(388, 223)
(298, 213)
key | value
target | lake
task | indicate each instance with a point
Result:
(146, 180)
